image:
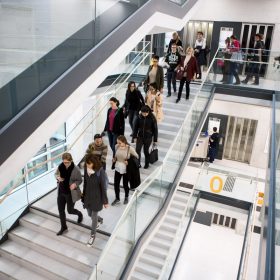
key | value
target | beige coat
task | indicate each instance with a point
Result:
(155, 102)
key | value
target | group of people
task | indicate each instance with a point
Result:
(144, 113)
(185, 66)
(233, 58)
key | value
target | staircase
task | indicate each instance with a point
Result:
(33, 251)
(153, 256)
(174, 114)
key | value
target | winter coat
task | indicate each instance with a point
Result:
(146, 127)
(159, 77)
(155, 102)
(119, 124)
(75, 178)
(94, 192)
(133, 100)
(190, 69)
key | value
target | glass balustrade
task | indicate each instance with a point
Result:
(227, 65)
(150, 195)
(41, 41)
(37, 177)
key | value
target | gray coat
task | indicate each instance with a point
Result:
(76, 176)
(95, 195)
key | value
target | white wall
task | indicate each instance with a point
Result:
(262, 114)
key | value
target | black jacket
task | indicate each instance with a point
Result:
(146, 127)
(173, 60)
(177, 42)
(133, 100)
(94, 192)
(118, 127)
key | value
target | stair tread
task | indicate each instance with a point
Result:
(18, 272)
(148, 269)
(137, 275)
(42, 261)
(153, 259)
(57, 246)
(73, 233)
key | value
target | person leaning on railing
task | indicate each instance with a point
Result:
(68, 178)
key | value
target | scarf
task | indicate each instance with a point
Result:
(65, 173)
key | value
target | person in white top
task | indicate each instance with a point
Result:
(199, 52)
(123, 153)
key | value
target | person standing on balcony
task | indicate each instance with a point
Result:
(172, 59)
(68, 178)
(114, 123)
(234, 47)
(133, 103)
(255, 64)
(94, 191)
(154, 74)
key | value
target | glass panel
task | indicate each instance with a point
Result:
(52, 49)
(79, 136)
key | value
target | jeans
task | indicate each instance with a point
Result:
(171, 77)
(234, 71)
(112, 140)
(94, 219)
(147, 143)
(212, 154)
(117, 180)
(182, 82)
(132, 115)
(62, 200)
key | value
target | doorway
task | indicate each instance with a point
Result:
(240, 138)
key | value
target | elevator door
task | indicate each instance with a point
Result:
(240, 137)
(247, 39)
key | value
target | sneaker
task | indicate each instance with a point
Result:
(115, 202)
(177, 100)
(80, 218)
(62, 230)
(168, 95)
(91, 240)
(125, 200)
(146, 166)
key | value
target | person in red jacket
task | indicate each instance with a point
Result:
(189, 68)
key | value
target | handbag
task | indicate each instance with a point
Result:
(76, 194)
(154, 154)
(179, 74)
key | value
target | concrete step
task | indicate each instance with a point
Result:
(140, 276)
(39, 263)
(148, 269)
(73, 237)
(10, 270)
(62, 252)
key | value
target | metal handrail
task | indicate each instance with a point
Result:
(79, 136)
(270, 236)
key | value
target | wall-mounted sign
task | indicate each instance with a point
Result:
(224, 33)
